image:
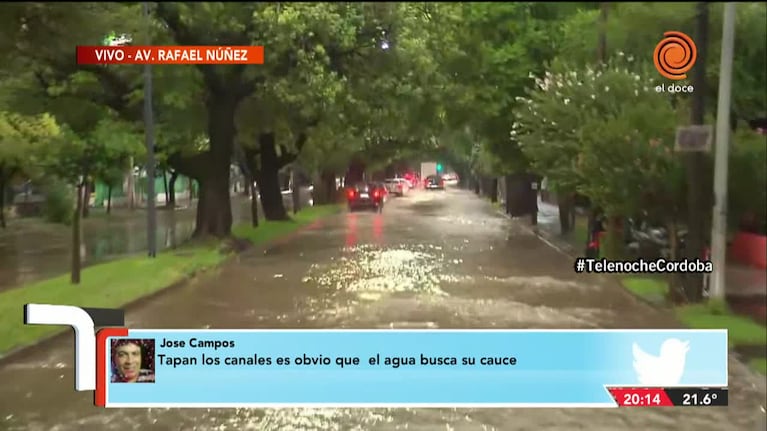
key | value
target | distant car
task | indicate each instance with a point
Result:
(412, 180)
(367, 196)
(382, 191)
(450, 179)
(397, 186)
(434, 182)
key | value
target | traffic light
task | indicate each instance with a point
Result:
(439, 167)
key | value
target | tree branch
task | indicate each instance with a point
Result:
(185, 36)
(288, 157)
(115, 89)
(190, 166)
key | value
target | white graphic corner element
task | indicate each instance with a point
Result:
(85, 337)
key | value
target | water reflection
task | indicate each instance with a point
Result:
(32, 251)
(378, 235)
(30, 255)
(351, 229)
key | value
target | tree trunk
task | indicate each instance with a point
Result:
(214, 206)
(571, 216)
(248, 191)
(171, 189)
(696, 164)
(253, 203)
(165, 187)
(109, 199)
(269, 180)
(509, 189)
(214, 212)
(602, 42)
(534, 200)
(324, 187)
(295, 190)
(493, 190)
(212, 169)
(76, 263)
(190, 185)
(86, 195)
(329, 184)
(565, 204)
(2, 203)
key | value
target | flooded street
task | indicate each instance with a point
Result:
(431, 260)
(32, 250)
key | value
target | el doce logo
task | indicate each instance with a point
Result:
(675, 55)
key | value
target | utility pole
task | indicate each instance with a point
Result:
(719, 225)
(131, 185)
(602, 58)
(151, 207)
(696, 165)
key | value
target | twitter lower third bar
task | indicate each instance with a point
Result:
(413, 368)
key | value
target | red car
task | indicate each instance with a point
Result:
(366, 195)
(412, 179)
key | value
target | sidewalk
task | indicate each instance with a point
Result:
(741, 281)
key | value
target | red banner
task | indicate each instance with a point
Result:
(641, 397)
(170, 55)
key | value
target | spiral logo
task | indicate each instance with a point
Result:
(675, 55)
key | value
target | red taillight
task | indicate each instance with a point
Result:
(351, 194)
(375, 194)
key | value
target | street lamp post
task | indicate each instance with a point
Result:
(149, 134)
(719, 225)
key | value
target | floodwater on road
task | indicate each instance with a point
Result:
(430, 260)
(32, 250)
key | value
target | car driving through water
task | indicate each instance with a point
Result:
(366, 196)
(434, 182)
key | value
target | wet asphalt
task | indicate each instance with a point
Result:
(431, 260)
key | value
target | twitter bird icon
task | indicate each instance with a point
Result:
(665, 369)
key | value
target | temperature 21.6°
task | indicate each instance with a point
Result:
(698, 397)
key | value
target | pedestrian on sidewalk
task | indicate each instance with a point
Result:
(596, 231)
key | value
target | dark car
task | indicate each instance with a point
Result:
(366, 195)
(434, 182)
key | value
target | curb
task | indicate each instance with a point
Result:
(258, 249)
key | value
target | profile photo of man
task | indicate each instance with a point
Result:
(133, 361)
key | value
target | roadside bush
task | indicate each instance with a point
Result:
(608, 135)
(58, 203)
